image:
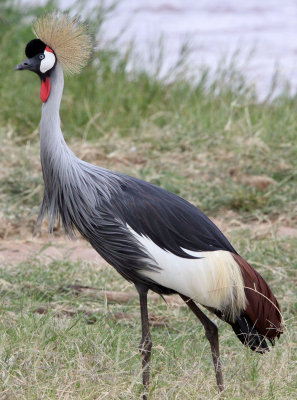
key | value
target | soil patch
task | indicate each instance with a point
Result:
(17, 251)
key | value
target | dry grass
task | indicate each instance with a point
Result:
(85, 345)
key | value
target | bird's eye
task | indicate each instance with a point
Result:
(41, 56)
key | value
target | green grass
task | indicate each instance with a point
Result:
(55, 355)
(194, 139)
(203, 141)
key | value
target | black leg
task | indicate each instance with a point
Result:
(145, 345)
(211, 332)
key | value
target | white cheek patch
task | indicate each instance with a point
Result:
(48, 62)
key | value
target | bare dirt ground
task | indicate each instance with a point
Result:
(15, 251)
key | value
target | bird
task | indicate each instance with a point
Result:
(153, 238)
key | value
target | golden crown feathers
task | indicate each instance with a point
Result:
(68, 37)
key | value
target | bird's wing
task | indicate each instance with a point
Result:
(169, 221)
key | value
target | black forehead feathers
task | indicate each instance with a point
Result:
(34, 47)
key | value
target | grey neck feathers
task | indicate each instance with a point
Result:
(56, 157)
(52, 144)
(73, 189)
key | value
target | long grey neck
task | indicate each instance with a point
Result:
(70, 184)
(53, 148)
(57, 160)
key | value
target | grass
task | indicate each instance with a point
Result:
(58, 356)
(206, 141)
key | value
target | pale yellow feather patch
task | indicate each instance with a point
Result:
(68, 37)
(226, 283)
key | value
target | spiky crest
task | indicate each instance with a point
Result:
(68, 37)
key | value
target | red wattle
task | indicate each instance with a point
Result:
(45, 89)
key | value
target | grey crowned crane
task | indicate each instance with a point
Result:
(153, 238)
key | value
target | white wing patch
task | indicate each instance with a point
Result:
(48, 62)
(214, 279)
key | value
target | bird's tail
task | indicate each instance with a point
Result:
(262, 317)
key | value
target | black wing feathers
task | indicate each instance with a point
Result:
(168, 220)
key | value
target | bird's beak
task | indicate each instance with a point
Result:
(33, 64)
(29, 64)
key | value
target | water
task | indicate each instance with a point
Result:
(213, 29)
